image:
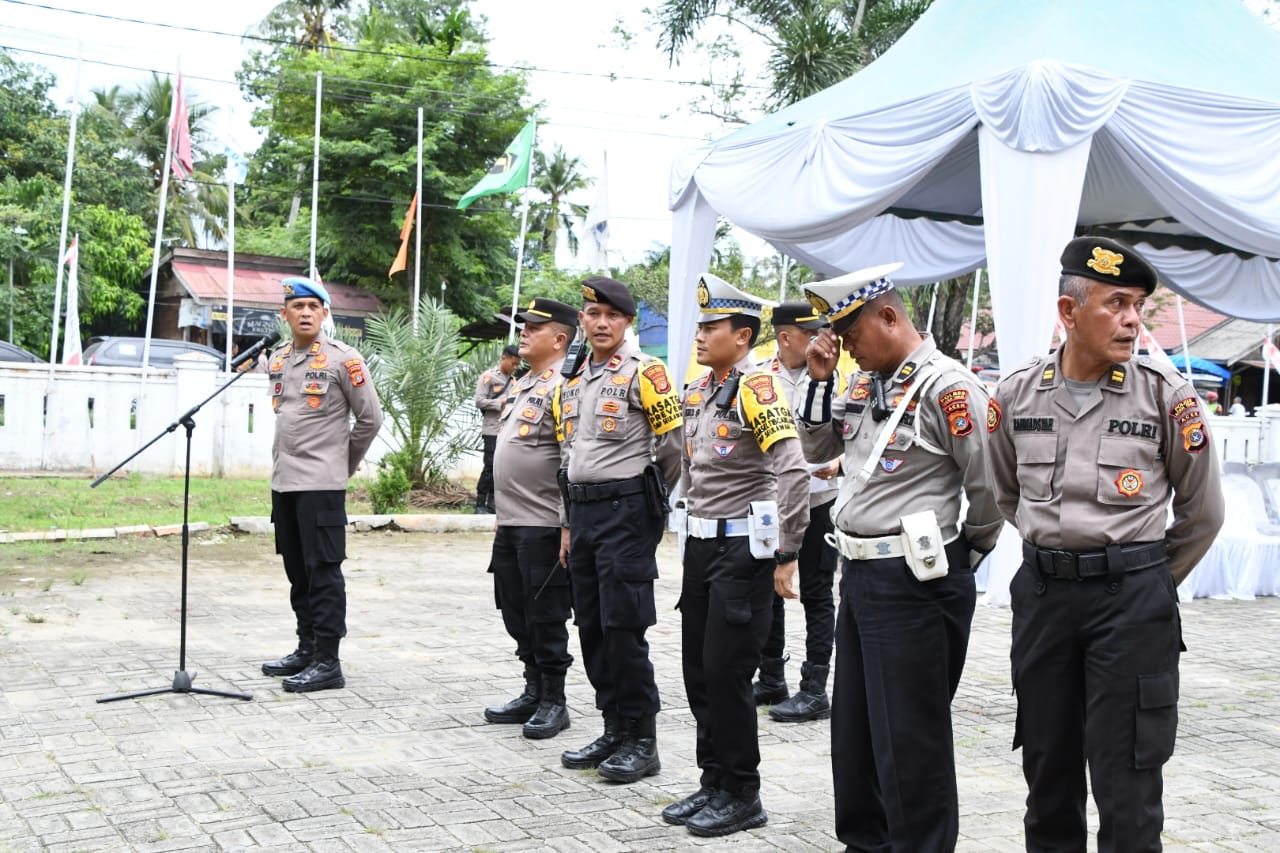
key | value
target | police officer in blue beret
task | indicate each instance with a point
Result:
(317, 384)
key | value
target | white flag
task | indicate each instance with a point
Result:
(237, 167)
(1270, 354)
(597, 223)
(71, 352)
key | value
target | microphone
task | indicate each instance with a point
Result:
(265, 342)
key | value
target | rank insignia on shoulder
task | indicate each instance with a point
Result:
(1129, 483)
(547, 374)
(615, 362)
(573, 382)
(1193, 437)
(907, 369)
(1117, 377)
(1046, 378)
(315, 347)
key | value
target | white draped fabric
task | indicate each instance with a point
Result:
(1043, 124)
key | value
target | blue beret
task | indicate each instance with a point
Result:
(296, 286)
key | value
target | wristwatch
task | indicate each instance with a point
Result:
(781, 557)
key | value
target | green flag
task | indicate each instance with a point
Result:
(510, 171)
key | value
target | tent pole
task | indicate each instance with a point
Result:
(1261, 412)
(933, 303)
(782, 285)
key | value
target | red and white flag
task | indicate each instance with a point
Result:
(1148, 342)
(1270, 354)
(182, 163)
(71, 352)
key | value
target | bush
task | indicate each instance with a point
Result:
(390, 491)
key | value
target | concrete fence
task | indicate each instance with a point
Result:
(88, 419)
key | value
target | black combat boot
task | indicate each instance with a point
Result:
(323, 673)
(679, 812)
(482, 505)
(728, 813)
(772, 686)
(599, 749)
(810, 701)
(552, 717)
(521, 708)
(637, 757)
(294, 662)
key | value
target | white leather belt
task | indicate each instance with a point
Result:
(714, 528)
(877, 547)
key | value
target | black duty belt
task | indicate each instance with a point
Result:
(1078, 565)
(588, 492)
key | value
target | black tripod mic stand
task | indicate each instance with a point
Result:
(181, 678)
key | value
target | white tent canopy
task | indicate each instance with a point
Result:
(995, 130)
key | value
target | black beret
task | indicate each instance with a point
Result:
(511, 351)
(800, 314)
(544, 310)
(1108, 261)
(610, 292)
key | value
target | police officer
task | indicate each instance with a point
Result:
(530, 585)
(491, 390)
(795, 324)
(622, 421)
(745, 488)
(317, 385)
(1087, 446)
(906, 427)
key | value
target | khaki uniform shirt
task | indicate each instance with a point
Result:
(1081, 477)
(795, 385)
(746, 452)
(936, 450)
(621, 417)
(527, 457)
(491, 389)
(313, 392)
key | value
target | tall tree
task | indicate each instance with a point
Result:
(368, 157)
(556, 177)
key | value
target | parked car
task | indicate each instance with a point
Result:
(127, 352)
(12, 352)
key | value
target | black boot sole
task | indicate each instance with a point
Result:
(541, 733)
(283, 670)
(328, 684)
(804, 718)
(728, 829)
(633, 776)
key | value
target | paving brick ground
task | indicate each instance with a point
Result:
(402, 759)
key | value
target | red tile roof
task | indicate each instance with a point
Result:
(261, 288)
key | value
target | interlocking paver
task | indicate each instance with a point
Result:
(402, 759)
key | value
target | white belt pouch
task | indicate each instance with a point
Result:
(762, 527)
(926, 553)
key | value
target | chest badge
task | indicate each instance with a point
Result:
(320, 362)
(313, 402)
(1129, 483)
(723, 449)
(889, 464)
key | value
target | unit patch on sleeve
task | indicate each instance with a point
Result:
(766, 411)
(993, 415)
(1194, 438)
(355, 369)
(659, 399)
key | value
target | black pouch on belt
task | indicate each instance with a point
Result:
(655, 491)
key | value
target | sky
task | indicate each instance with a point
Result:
(598, 96)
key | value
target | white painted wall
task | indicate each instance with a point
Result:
(46, 423)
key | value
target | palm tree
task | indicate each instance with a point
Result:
(556, 178)
(813, 43)
(306, 22)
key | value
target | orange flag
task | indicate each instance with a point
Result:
(402, 256)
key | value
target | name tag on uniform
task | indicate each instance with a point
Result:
(1034, 425)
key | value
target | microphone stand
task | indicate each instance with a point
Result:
(181, 678)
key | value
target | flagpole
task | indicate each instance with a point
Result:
(1182, 328)
(315, 176)
(155, 253)
(417, 251)
(973, 315)
(66, 215)
(524, 227)
(1264, 419)
(231, 261)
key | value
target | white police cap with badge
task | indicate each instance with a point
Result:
(842, 297)
(718, 299)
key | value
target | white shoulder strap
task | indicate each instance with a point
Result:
(855, 484)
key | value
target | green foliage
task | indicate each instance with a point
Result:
(390, 491)
(425, 387)
(367, 150)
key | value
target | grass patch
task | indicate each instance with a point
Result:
(41, 503)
